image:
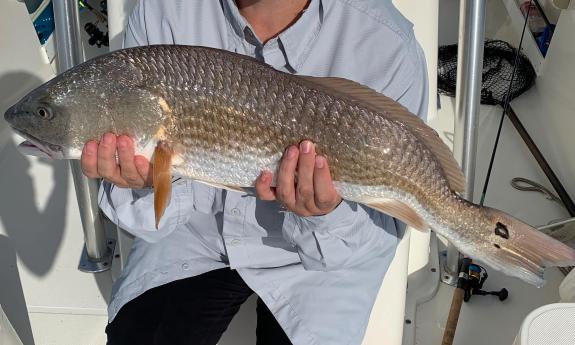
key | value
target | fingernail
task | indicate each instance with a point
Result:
(319, 162)
(306, 146)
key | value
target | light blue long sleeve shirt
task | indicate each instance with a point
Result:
(318, 275)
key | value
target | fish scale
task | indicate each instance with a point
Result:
(220, 118)
(280, 96)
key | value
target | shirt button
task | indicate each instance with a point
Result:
(235, 211)
(235, 242)
(185, 266)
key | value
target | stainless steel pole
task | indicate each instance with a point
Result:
(69, 50)
(467, 98)
(67, 31)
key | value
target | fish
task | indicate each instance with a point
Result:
(221, 118)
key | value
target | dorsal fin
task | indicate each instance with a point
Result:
(395, 111)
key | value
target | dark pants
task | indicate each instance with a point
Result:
(192, 311)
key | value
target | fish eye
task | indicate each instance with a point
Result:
(44, 112)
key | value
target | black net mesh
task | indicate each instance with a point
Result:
(498, 60)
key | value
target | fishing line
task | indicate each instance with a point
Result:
(505, 108)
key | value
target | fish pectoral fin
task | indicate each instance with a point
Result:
(401, 211)
(162, 179)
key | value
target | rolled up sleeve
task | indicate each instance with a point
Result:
(341, 239)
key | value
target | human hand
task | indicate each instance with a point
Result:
(99, 161)
(313, 194)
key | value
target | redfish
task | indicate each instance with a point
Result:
(222, 118)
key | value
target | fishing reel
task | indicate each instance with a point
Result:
(97, 37)
(477, 275)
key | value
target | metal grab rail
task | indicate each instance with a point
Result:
(468, 95)
(97, 254)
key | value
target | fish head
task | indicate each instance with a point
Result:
(81, 104)
(520, 250)
(43, 120)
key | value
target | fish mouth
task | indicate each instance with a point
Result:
(37, 147)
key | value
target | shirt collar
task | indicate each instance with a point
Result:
(294, 41)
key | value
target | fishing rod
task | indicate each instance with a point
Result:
(101, 16)
(506, 101)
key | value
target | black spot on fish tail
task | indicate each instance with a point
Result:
(501, 230)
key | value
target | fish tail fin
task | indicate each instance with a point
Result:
(529, 251)
(546, 250)
(162, 179)
(540, 251)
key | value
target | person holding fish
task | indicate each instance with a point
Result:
(274, 141)
(315, 261)
(316, 268)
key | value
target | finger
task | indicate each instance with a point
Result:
(326, 197)
(144, 168)
(285, 189)
(264, 189)
(128, 169)
(305, 170)
(107, 166)
(89, 159)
